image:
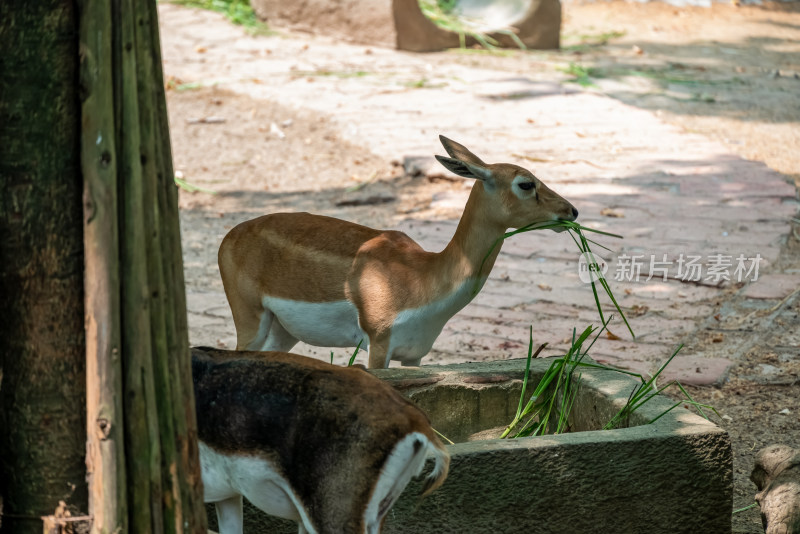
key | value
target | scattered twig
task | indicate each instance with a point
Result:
(718, 285)
(362, 184)
(369, 201)
(206, 120)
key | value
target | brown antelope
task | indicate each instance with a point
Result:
(329, 447)
(328, 282)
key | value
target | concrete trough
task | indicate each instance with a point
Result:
(674, 475)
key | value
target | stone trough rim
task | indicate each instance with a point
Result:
(613, 386)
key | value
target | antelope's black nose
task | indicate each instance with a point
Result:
(574, 213)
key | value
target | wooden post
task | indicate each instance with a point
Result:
(141, 408)
(105, 450)
(161, 469)
(175, 294)
(158, 258)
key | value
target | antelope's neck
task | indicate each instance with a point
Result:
(468, 255)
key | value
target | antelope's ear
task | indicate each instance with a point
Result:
(459, 151)
(468, 170)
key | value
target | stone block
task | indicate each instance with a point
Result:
(696, 370)
(772, 286)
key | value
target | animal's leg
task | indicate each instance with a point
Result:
(272, 494)
(230, 515)
(252, 323)
(411, 363)
(252, 332)
(265, 332)
(379, 351)
(278, 338)
(249, 317)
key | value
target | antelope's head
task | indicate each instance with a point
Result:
(512, 195)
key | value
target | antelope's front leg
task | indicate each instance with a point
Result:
(379, 351)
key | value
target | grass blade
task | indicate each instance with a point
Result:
(582, 242)
(448, 440)
(353, 357)
(739, 510)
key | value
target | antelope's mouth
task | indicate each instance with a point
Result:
(573, 216)
(545, 225)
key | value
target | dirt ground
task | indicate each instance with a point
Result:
(730, 73)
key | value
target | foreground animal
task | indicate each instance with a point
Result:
(329, 447)
(332, 283)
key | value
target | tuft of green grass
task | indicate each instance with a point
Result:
(548, 409)
(237, 11)
(646, 390)
(581, 74)
(588, 41)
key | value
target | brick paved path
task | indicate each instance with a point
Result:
(667, 192)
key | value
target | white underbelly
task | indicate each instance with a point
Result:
(414, 330)
(335, 324)
(228, 475)
(325, 324)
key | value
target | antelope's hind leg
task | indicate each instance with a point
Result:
(278, 338)
(261, 331)
(251, 320)
(230, 515)
(272, 494)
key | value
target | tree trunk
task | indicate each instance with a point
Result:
(42, 353)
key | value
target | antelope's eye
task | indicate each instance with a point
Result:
(526, 186)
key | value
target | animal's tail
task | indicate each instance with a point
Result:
(441, 466)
